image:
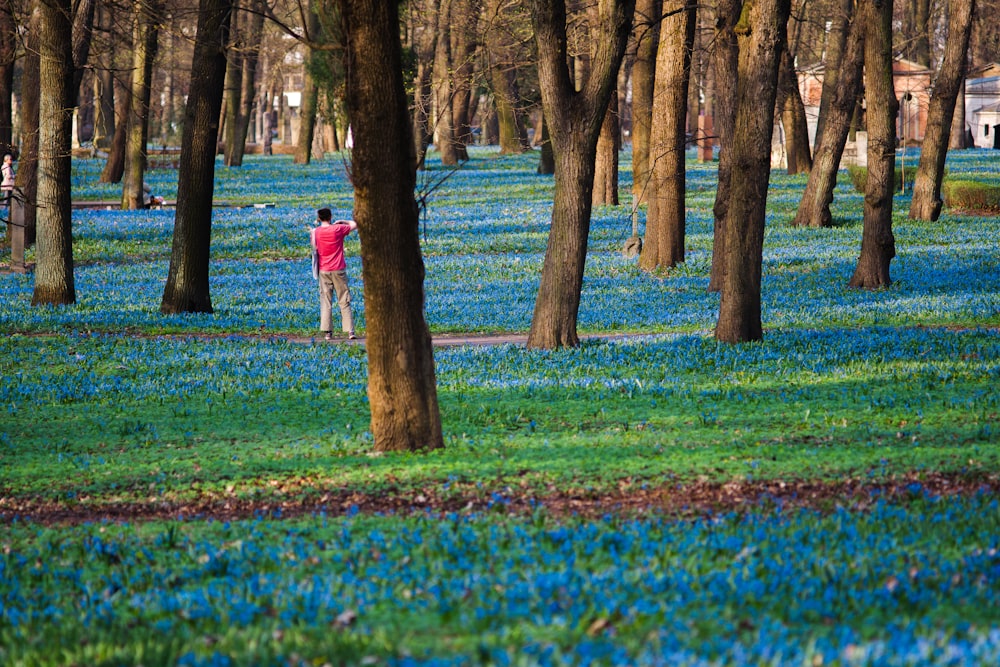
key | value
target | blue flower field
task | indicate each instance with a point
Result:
(203, 490)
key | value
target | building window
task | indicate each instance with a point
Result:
(986, 130)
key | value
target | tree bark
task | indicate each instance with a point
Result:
(114, 166)
(606, 162)
(665, 220)
(814, 207)
(464, 37)
(762, 36)
(27, 168)
(54, 283)
(926, 203)
(793, 117)
(310, 100)
(546, 157)
(233, 87)
(402, 391)
(878, 246)
(250, 59)
(503, 63)
(647, 36)
(444, 123)
(424, 28)
(8, 53)
(724, 63)
(187, 287)
(144, 45)
(574, 120)
(836, 41)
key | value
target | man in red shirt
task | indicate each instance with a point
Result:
(328, 241)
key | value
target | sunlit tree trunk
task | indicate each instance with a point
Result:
(762, 34)
(464, 37)
(144, 45)
(402, 390)
(27, 168)
(724, 67)
(250, 58)
(233, 87)
(665, 220)
(606, 162)
(187, 288)
(574, 119)
(878, 245)
(424, 35)
(646, 32)
(814, 207)
(793, 117)
(54, 284)
(309, 106)
(444, 88)
(836, 43)
(502, 77)
(926, 202)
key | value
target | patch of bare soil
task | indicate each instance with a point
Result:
(681, 500)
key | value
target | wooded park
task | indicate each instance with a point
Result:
(677, 333)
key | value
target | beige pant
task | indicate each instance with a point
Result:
(329, 284)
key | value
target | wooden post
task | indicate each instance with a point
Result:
(15, 213)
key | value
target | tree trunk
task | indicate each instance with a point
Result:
(762, 36)
(310, 100)
(606, 165)
(187, 288)
(83, 34)
(248, 82)
(27, 168)
(836, 42)
(878, 246)
(444, 124)
(546, 157)
(502, 77)
(724, 64)
(665, 220)
(647, 35)
(575, 120)
(114, 167)
(423, 15)
(793, 117)
(464, 37)
(233, 87)
(54, 264)
(8, 53)
(402, 390)
(957, 139)
(926, 202)
(814, 208)
(144, 46)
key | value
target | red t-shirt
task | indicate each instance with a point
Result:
(330, 245)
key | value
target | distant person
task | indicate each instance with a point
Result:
(328, 242)
(149, 200)
(7, 183)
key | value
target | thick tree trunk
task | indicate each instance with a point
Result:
(574, 120)
(762, 36)
(606, 164)
(814, 208)
(878, 246)
(402, 391)
(54, 283)
(647, 35)
(665, 220)
(724, 64)
(926, 202)
(144, 46)
(187, 288)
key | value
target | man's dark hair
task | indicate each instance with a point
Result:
(325, 214)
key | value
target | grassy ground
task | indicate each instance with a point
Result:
(203, 490)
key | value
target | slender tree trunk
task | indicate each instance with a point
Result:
(248, 81)
(114, 167)
(793, 117)
(814, 208)
(546, 157)
(665, 220)
(502, 77)
(464, 35)
(444, 88)
(724, 63)
(926, 202)
(424, 15)
(575, 120)
(606, 165)
(231, 102)
(310, 104)
(54, 283)
(402, 390)
(836, 43)
(762, 35)
(957, 139)
(27, 168)
(647, 35)
(144, 46)
(878, 246)
(8, 53)
(187, 288)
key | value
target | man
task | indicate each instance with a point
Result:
(7, 183)
(328, 242)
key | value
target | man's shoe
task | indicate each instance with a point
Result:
(351, 336)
